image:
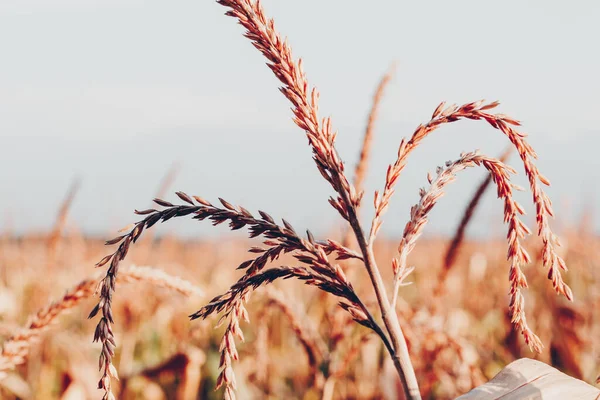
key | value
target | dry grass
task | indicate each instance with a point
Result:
(317, 270)
(61, 218)
(17, 347)
(460, 345)
(360, 172)
(500, 175)
(423, 347)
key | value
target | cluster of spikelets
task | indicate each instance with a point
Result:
(314, 266)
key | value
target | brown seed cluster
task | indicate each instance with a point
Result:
(517, 230)
(315, 268)
(279, 239)
(479, 111)
(261, 31)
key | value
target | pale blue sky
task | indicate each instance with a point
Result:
(115, 91)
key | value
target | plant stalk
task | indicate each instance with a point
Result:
(400, 355)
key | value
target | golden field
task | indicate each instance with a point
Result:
(457, 339)
(287, 315)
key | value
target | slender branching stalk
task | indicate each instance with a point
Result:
(478, 111)
(318, 271)
(516, 230)
(261, 31)
(313, 266)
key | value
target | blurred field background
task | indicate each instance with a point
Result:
(116, 107)
(459, 338)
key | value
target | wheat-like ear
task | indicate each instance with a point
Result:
(61, 218)
(162, 190)
(360, 171)
(500, 174)
(16, 349)
(279, 239)
(231, 305)
(321, 137)
(479, 111)
(320, 273)
(316, 270)
(261, 31)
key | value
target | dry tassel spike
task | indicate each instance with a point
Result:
(314, 267)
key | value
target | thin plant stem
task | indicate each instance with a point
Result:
(400, 355)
